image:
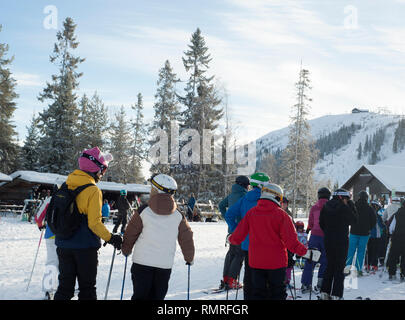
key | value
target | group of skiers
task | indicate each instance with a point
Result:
(339, 228)
(262, 235)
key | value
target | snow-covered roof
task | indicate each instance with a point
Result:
(391, 176)
(4, 177)
(39, 177)
(53, 178)
(130, 187)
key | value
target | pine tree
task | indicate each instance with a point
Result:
(166, 109)
(138, 149)
(298, 158)
(30, 153)
(58, 122)
(8, 143)
(120, 148)
(202, 112)
(93, 123)
(359, 151)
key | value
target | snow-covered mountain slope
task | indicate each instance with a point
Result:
(338, 166)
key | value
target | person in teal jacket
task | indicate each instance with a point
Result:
(236, 212)
(234, 256)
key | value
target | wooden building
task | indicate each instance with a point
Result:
(378, 180)
(23, 183)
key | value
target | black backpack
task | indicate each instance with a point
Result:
(63, 216)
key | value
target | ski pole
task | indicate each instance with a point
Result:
(313, 265)
(123, 280)
(109, 276)
(35, 260)
(295, 291)
(237, 287)
(386, 258)
(188, 282)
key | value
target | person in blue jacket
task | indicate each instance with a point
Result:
(236, 212)
(234, 257)
(105, 211)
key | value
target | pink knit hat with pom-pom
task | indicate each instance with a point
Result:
(93, 160)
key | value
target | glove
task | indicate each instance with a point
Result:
(227, 239)
(312, 255)
(190, 263)
(116, 241)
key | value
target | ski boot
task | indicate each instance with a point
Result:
(233, 283)
(324, 296)
(336, 298)
(305, 289)
(223, 283)
(373, 270)
(392, 277)
(318, 286)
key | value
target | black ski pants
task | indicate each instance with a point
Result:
(268, 284)
(80, 264)
(247, 278)
(397, 252)
(121, 219)
(233, 261)
(333, 279)
(374, 248)
(149, 283)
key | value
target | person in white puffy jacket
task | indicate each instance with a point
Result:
(391, 209)
(152, 235)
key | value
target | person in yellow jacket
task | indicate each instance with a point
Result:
(78, 254)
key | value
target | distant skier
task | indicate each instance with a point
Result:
(123, 207)
(152, 236)
(50, 277)
(284, 206)
(316, 240)
(335, 218)
(190, 207)
(360, 232)
(271, 233)
(234, 257)
(303, 238)
(391, 209)
(375, 243)
(236, 212)
(397, 250)
(105, 211)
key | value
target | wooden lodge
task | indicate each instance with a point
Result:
(378, 180)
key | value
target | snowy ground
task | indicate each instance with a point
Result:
(19, 241)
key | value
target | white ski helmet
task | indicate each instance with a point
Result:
(272, 192)
(163, 183)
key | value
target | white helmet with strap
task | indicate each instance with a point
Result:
(273, 192)
(164, 183)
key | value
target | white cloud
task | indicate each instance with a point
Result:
(28, 79)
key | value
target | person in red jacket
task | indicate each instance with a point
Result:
(271, 233)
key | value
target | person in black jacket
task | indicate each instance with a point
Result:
(123, 206)
(360, 233)
(397, 250)
(335, 217)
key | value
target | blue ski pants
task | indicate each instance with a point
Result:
(318, 243)
(357, 244)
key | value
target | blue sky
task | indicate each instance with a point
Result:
(353, 49)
